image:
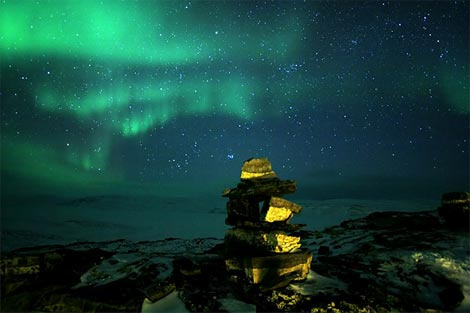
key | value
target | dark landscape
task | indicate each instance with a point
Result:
(408, 262)
(234, 156)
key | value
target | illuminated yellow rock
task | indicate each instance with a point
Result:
(279, 210)
(273, 271)
(257, 168)
(456, 198)
(239, 240)
(249, 175)
(263, 248)
(455, 209)
(278, 215)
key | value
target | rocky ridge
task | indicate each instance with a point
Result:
(386, 261)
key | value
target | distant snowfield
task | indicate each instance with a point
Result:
(318, 214)
(149, 218)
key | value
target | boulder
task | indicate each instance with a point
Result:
(201, 280)
(271, 271)
(20, 265)
(261, 190)
(456, 198)
(400, 261)
(242, 241)
(257, 169)
(243, 209)
(264, 225)
(279, 210)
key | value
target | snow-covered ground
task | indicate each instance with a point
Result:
(170, 304)
(173, 304)
(59, 221)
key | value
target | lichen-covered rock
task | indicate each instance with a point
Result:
(462, 198)
(257, 169)
(284, 300)
(272, 271)
(111, 276)
(277, 214)
(242, 209)
(261, 189)
(202, 280)
(274, 210)
(241, 241)
(279, 210)
(344, 306)
(266, 226)
(397, 261)
(20, 265)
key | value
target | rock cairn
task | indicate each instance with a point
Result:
(263, 251)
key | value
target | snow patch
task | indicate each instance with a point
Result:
(233, 305)
(170, 304)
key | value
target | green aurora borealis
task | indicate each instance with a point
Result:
(95, 95)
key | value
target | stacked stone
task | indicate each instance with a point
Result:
(263, 250)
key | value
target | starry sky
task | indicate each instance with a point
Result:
(351, 99)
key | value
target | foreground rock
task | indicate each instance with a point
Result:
(396, 260)
(105, 276)
(387, 261)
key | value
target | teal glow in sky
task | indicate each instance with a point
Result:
(110, 30)
(148, 32)
(145, 93)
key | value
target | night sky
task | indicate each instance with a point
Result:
(351, 99)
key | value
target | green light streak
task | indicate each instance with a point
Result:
(94, 159)
(46, 166)
(133, 113)
(120, 34)
(111, 30)
(456, 86)
(149, 32)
